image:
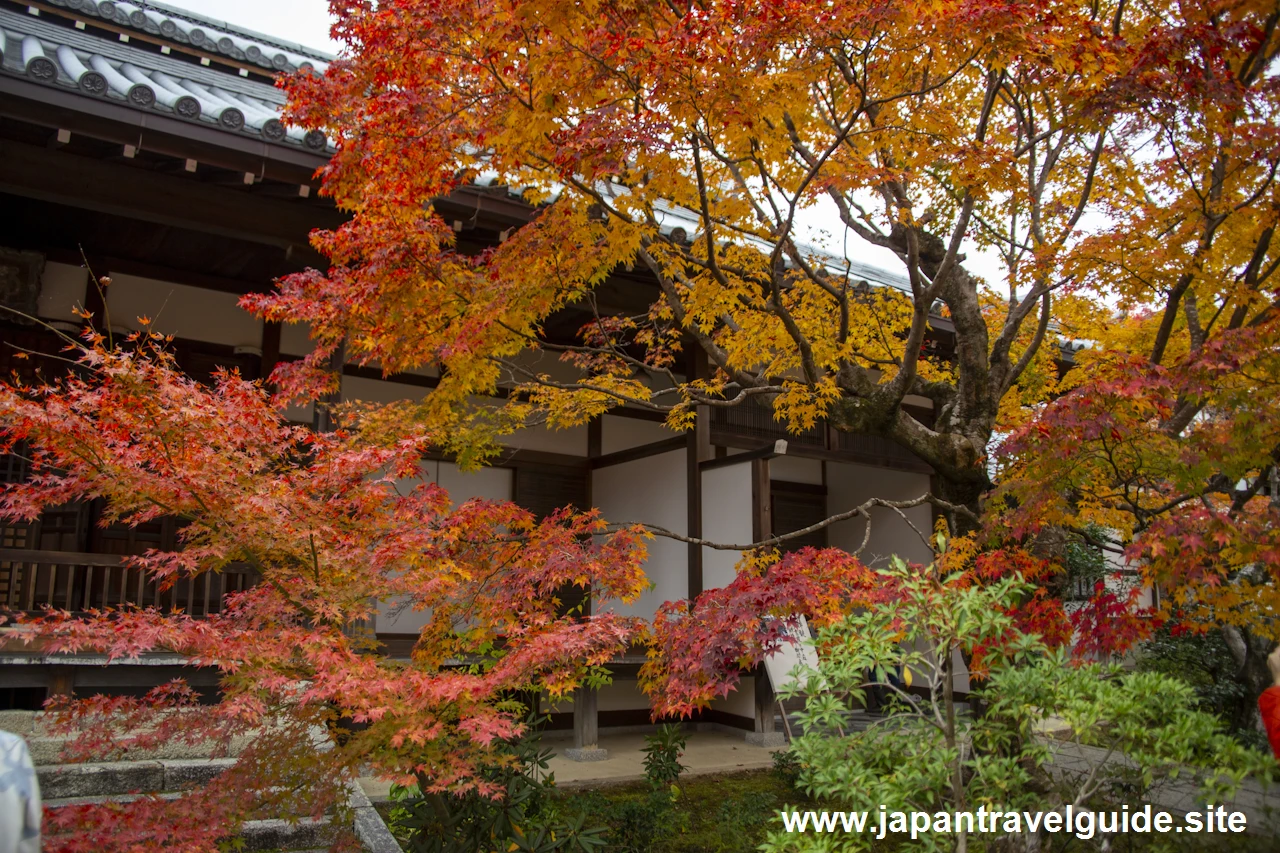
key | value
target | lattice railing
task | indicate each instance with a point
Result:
(31, 580)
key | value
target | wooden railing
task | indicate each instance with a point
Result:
(32, 580)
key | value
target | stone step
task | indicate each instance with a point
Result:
(64, 802)
(117, 778)
(123, 781)
(278, 834)
(170, 770)
(46, 748)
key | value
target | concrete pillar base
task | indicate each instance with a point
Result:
(586, 753)
(767, 739)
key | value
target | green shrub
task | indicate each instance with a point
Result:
(662, 753)
(526, 818)
(786, 767)
(1203, 661)
(639, 825)
(1118, 734)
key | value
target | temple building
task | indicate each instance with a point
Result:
(144, 143)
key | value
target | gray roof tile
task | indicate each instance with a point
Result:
(185, 27)
(117, 71)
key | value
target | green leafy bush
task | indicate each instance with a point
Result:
(786, 767)
(640, 825)
(662, 753)
(1203, 661)
(526, 818)
(1114, 734)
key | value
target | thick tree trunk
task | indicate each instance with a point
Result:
(1250, 654)
(967, 493)
(957, 457)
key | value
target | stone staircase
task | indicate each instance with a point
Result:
(175, 768)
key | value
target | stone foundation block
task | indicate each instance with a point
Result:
(770, 740)
(594, 753)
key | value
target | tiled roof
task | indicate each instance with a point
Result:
(117, 71)
(673, 220)
(183, 27)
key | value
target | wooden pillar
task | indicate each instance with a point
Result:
(761, 501)
(595, 437)
(765, 731)
(323, 421)
(586, 727)
(270, 348)
(594, 450)
(693, 497)
(697, 449)
(62, 681)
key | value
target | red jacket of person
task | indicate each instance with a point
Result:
(1269, 705)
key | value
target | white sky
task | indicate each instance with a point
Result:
(305, 22)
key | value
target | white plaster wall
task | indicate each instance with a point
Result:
(301, 414)
(187, 312)
(959, 672)
(390, 621)
(1124, 575)
(741, 702)
(487, 483)
(850, 485)
(379, 390)
(295, 339)
(624, 433)
(650, 490)
(726, 517)
(62, 288)
(620, 695)
(571, 441)
(793, 469)
(492, 484)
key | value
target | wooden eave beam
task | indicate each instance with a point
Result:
(483, 207)
(768, 451)
(123, 190)
(644, 451)
(103, 264)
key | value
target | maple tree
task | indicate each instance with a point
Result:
(1117, 158)
(1165, 435)
(332, 525)
(1114, 156)
(689, 139)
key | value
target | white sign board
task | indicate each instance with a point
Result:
(790, 655)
